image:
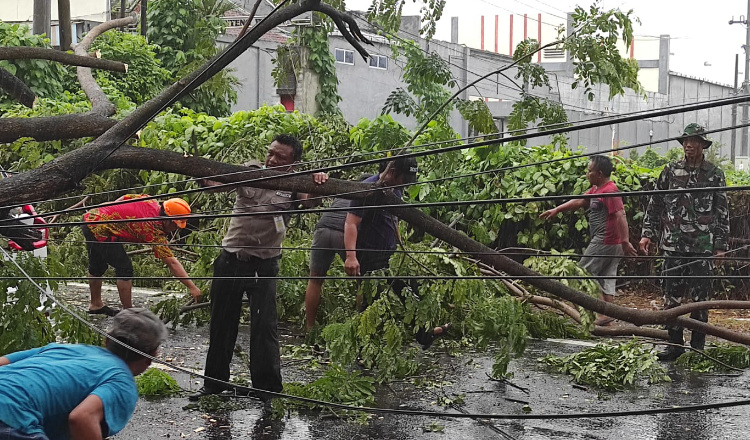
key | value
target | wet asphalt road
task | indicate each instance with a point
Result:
(466, 374)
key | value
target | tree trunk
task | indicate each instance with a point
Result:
(144, 26)
(63, 21)
(42, 17)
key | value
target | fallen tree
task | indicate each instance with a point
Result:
(109, 152)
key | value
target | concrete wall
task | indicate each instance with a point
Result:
(253, 69)
(364, 90)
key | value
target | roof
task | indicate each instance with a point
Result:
(682, 75)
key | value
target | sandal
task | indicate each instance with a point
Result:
(604, 321)
(106, 310)
(426, 339)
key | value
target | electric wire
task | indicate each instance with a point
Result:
(406, 277)
(478, 202)
(529, 253)
(380, 410)
(437, 180)
(501, 140)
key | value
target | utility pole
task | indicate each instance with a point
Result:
(746, 82)
(42, 17)
(732, 149)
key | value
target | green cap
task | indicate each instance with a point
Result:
(695, 129)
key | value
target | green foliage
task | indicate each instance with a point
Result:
(308, 47)
(322, 62)
(478, 115)
(611, 367)
(336, 385)
(156, 383)
(428, 79)
(500, 320)
(145, 77)
(24, 323)
(736, 356)
(387, 14)
(532, 74)
(596, 58)
(44, 78)
(184, 33)
(653, 160)
(547, 324)
(532, 108)
(560, 267)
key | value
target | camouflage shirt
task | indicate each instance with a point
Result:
(689, 222)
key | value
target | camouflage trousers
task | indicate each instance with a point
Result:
(679, 290)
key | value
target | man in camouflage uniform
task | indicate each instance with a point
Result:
(692, 226)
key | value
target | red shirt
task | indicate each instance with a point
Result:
(133, 232)
(602, 219)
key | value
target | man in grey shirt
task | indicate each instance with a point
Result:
(248, 263)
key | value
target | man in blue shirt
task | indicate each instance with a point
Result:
(63, 391)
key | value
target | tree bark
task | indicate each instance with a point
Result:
(49, 128)
(16, 89)
(63, 21)
(99, 102)
(40, 53)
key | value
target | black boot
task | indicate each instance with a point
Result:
(697, 340)
(672, 352)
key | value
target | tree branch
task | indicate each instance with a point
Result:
(16, 89)
(99, 102)
(49, 128)
(41, 53)
(341, 20)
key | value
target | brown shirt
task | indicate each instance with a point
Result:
(263, 231)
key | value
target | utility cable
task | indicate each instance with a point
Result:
(462, 146)
(410, 277)
(382, 410)
(529, 253)
(692, 107)
(534, 199)
(437, 180)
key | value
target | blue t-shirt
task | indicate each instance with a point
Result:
(378, 227)
(41, 386)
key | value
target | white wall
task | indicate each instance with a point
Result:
(23, 10)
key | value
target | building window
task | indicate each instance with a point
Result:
(344, 56)
(378, 62)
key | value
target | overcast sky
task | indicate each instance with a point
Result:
(700, 30)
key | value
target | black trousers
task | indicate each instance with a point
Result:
(226, 305)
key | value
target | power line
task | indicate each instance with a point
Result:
(654, 192)
(434, 151)
(405, 277)
(504, 140)
(447, 252)
(379, 410)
